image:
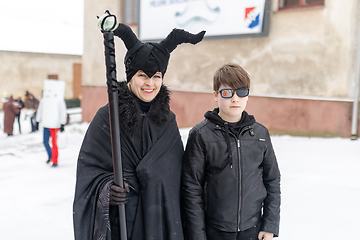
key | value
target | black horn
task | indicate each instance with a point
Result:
(179, 36)
(127, 35)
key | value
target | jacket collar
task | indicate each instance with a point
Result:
(246, 119)
(244, 124)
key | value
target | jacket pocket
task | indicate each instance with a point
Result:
(222, 197)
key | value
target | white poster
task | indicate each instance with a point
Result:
(216, 17)
(53, 108)
(54, 90)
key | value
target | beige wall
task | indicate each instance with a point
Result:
(21, 71)
(304, 117)
(310, 54)
(291, 116)
(93, 71)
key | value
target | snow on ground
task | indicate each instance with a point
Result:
(320, 185)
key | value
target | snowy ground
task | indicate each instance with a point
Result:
(320, 186)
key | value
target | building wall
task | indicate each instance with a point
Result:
(21, 71)
(93, 69)
(309, 57)
(293, 116)
(309, 52)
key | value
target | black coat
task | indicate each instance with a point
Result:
(229, 176)
(152, 152)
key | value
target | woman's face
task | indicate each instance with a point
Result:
(144, 87)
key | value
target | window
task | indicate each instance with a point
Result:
(53, 76)
(131, 11)
(286, 4)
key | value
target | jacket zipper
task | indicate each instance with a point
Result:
(239, 158)
(240, 175)
(238, 149)
(238, 143)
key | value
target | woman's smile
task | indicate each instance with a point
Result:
(144, 87)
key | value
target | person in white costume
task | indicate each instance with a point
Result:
(51, 114)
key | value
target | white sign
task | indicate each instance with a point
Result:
(53, 108)
(216, 17)
(54, 90)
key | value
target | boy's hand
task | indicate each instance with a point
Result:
(265, 236)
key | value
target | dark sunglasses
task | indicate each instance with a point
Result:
(229, 93)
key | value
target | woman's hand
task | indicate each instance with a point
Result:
(119, 195)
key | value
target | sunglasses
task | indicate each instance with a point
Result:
(229, 93)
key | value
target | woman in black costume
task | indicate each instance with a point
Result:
(151, 151)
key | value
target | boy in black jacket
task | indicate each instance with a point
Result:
(230, 177)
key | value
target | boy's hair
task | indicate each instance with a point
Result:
(233, 75)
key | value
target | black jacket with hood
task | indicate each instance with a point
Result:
(151, 151)
(230, 177)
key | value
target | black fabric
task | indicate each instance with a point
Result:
(129, 109)
(151, 151)
(150, 58)
(213, 233)
(144, 106)
(234, 128)
(229, 198)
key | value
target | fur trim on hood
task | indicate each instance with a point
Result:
(129, 109)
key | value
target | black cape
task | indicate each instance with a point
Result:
(151, 150)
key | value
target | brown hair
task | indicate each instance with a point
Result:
(233, 75)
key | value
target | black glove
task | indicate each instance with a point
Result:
(62, 128)
(37, 125)
(119, 195)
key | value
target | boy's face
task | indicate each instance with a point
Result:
(230, 109)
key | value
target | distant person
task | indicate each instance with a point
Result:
(20, 104)
(230, 178)
(31, 103)
(4, 98)
(10, 110)
(53, 122)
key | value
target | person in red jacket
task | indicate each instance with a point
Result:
(51, 113)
